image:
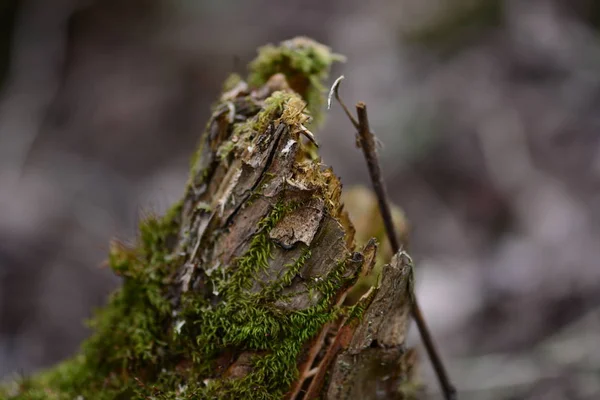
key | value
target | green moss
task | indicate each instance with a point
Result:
(249, 320)
(132, 337)
(198, 172)
(225, 150)
(304, 62)
(129, 331)
(290, 272)
(202, 206)
(56, 384)
(273, 108)
(231, 82)
(243, 133)
(356, 311)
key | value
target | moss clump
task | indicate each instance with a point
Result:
(129, 332)
(274, 106)
(244, 133)
(304, 62)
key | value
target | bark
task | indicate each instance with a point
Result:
(375, 363)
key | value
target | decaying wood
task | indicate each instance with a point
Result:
(375, 363)
(365, 358)
(224, 206)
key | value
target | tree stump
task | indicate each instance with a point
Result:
(238, 291)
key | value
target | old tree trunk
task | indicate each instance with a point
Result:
(239, 291)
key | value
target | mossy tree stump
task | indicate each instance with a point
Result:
(238, 291)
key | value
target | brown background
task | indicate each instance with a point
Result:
(489, 115)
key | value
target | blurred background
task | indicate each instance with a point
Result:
(488, 111)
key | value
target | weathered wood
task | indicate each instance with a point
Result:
(375, 363)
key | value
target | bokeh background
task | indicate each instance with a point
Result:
(489, 114)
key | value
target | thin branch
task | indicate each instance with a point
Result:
(367, 141)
